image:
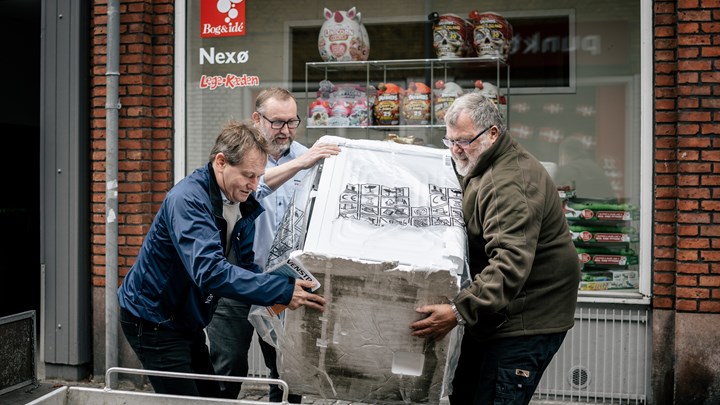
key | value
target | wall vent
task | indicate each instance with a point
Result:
(605, 357)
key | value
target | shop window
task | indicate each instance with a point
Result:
(579, 98)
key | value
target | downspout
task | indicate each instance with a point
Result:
(112, 107)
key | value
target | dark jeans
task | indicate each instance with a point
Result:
(230, 334)
(503, 371)
(164, 349)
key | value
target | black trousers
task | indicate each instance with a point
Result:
(504, 371)
(230, 334)
(164, 349)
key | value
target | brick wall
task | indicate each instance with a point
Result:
(686, 274)
(145, 166)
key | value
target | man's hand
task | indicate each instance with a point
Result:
(317, 152)
(302, 297)
(440, 320)
(275, 176)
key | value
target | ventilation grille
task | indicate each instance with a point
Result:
(604, 359)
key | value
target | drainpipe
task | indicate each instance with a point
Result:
(112, 106)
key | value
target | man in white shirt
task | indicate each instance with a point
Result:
(230, 332)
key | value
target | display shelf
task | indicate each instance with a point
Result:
(368, 75)
(399, 64)
(378, 127)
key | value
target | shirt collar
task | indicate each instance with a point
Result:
(225, 200)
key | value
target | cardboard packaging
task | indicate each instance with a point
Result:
(380, 228)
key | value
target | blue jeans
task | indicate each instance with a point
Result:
(504, 371)
(164, 349)
(230, 334)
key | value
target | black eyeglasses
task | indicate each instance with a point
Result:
(463, 143)
(291, 124)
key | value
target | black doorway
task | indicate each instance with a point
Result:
(20, 28)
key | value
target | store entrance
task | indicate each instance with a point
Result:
(20, 157)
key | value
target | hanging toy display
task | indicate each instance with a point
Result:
(343, 37)
(492, 35)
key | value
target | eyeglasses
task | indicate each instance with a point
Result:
(291, 124)
(463, 143)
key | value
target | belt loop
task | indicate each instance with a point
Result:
(140, 325)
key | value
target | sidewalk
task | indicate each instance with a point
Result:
(249, 392)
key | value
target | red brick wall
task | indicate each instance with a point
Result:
(686, 274)
(145, 165)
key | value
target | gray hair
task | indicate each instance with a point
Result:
(482, 110)
(238, 138)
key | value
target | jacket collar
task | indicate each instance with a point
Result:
(215, 195)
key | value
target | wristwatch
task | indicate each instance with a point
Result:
(458, 317)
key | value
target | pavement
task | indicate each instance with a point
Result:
(250, 392)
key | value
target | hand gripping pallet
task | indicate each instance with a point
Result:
(107, 396)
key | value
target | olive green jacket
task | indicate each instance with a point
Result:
(523, 264)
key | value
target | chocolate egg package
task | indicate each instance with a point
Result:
(387, 104)
(444, 94)
(341, 105)
(452, 36)
(492, 34)
(415, 104)
(343, 36)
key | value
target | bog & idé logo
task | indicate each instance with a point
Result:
(222, 18)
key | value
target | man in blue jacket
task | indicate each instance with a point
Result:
(198, 249)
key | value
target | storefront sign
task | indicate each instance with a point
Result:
(222, 18)
(221, 58)
(229, 81)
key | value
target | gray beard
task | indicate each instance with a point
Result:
(465, 170)
(279, 150)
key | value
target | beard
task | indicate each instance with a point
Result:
(463, 165)
(465, 162)
(281, 148)
(277, 147)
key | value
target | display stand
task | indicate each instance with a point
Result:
(368, 75)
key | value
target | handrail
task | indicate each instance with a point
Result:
(158, 373)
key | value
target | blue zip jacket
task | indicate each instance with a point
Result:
(181, 271)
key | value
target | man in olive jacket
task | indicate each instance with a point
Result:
(524, 268)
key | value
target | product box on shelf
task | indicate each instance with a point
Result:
(622, 279)
(386, 110)
(582, 234)
(609, 280)
(380, 228)
(566, 192)
(582, 209)
(607, 258)
(342, 104)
